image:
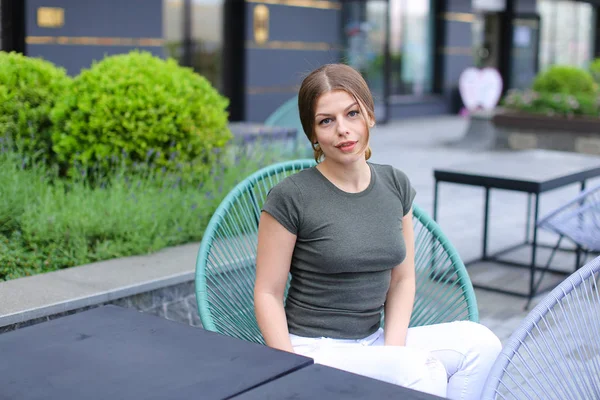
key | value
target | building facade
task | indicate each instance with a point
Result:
(256, 52)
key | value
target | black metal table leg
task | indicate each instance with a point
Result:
(578, 249)
(536, 214)
(435, 200)
(528, 223)
(486, 218)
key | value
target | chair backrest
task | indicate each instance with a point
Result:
(579, 219)
(225, 269)
(555, 352)
(286, 115)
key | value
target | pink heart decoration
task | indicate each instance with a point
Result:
(480, 88)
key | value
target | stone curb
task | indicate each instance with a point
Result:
(70, 289)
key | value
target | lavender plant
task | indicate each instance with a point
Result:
(48, 223)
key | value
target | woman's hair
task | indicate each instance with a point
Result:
(327, 78)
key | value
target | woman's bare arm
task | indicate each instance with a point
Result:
(273, 258)
(401, 295)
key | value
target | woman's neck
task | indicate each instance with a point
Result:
(351, 178)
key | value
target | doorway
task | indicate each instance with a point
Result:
(524, 60)
(487, 35)
(12, 26)
(508, 43)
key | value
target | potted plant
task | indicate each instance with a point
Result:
(561, 111)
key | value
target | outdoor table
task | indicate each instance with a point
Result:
(321, 382)
(117, 353)
(530, 171)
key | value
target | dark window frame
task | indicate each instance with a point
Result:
(232, 80)
(13, 25)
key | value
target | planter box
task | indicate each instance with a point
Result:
(514, 130)
(162, 284)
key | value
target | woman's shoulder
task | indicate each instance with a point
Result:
(295, 182)
(391, 173)
(398, 180)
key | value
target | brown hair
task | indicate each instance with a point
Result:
(327, 78)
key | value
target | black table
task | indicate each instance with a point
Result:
(116, 353)
(320, 382)
(530, 171)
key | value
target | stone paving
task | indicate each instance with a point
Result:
(419, 145)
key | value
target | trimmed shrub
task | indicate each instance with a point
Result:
(565, 79)
(137, 108)
(552, 104)
(28, 90)
(595, 70)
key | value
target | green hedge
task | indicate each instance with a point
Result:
(595, 70)
(565, 79)
(146, 125)
(137, 108)
(558, 91)
(558, 104)
(28, 90)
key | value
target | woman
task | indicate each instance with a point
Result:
(344, 231)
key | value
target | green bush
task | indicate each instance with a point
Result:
(565, 79)
(553, 104)
(137, 108)
(595, 70)
(28, 90)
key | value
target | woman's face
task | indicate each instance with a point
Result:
(340, 129)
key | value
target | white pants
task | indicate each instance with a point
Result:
(449, 360)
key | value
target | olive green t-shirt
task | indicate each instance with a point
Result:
(347, 244)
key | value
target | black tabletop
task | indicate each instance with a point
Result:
(533, 171)
(116, 353)
(320, 382)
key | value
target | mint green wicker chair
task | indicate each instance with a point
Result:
(287, 116)
(225, 268)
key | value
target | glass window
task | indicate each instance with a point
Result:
(206, 36)
(410, 44)
(173, 28)
(567, 32)
(411, 47)
(524, 58)
(364, 41)
(207, 39)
